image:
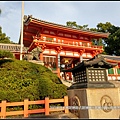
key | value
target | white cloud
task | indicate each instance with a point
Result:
(83, 12)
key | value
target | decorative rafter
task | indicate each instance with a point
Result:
(81, 51)
(58, 49)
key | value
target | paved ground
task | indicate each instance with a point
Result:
(56, 115)
(115, 82)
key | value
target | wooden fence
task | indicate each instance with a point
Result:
(26, 103)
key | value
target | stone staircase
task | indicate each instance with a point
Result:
(68, 83)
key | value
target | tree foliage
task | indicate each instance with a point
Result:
(3, 37)
(75, 25)
(112, 43)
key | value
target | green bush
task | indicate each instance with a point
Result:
(21, 79)
(6, 54)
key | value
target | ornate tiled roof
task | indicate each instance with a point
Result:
(27, 20)
(116, 58)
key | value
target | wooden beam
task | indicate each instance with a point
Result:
(27, 39)
(29, 33)
(33, 26)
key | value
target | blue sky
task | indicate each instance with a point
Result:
(83, 12)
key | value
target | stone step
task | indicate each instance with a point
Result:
(67, 83)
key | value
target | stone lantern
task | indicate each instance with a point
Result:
(92, 95)
(92, 73)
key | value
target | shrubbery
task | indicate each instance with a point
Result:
(6, 54)
(22, 79)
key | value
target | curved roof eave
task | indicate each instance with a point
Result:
(99, 34)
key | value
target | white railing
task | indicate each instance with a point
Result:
(72, 43)
(113, 77)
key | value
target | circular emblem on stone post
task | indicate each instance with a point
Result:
(106, 103)
(75, 105)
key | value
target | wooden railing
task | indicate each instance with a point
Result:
(12, 47)
(26, 104)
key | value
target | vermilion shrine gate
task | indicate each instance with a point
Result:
(63, 47)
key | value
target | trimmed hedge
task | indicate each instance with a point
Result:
(21, 79)
(6, 54)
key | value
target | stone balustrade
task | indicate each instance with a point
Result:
(12, 47)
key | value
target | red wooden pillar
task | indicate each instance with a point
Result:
(58, 64)
(41, 56)
(58, 50)
(72, 65)
(80, 54)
